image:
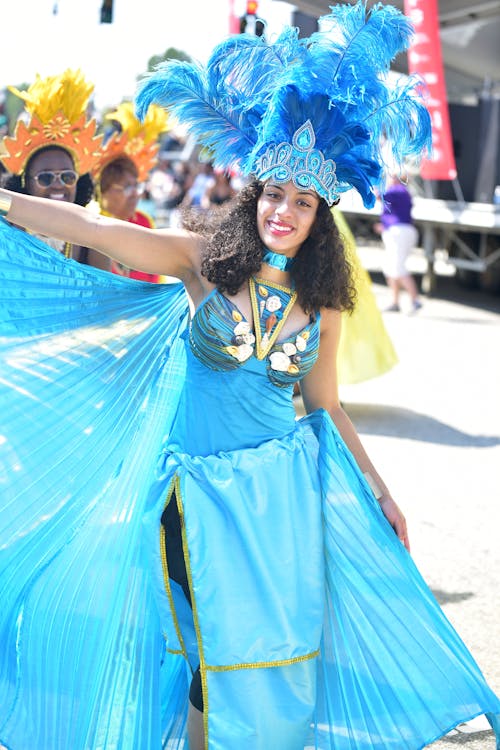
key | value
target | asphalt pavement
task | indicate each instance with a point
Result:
(432, 428)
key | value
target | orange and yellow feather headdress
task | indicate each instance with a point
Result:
(57, 106)
(137, 140)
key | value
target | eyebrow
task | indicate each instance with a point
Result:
(310, 193)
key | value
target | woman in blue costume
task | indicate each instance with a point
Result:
(174, 543)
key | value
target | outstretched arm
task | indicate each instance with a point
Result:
(320, 390)
(171, 252)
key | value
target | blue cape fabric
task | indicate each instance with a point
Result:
(88, 380)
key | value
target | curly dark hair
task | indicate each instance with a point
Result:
(233, 252)
(84, 186)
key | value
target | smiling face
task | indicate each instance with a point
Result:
(285, 215)
(51, 174)
(120, 191)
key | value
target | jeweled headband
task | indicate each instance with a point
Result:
(300, 163)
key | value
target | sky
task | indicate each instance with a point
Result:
(37, 40)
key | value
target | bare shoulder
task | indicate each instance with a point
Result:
(331, 321)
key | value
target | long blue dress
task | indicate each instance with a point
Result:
(309, 622)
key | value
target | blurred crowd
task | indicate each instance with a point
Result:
(179, 182)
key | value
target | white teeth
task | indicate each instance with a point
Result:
(279, 228)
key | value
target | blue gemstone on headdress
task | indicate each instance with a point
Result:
(301, 163)
(304, 138)
(282, 174)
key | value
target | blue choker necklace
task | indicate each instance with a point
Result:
(277, 260)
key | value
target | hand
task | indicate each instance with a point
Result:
(396, 518)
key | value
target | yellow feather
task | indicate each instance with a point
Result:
(155, 123)
(67, 92)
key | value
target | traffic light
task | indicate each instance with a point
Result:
(107, 11)
(250, 23)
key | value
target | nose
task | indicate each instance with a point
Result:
(283, 209)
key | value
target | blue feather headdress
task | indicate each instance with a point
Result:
(319, 111)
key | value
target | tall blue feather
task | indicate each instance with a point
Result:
(402, 121)
(223, 103)
(353, 51)
(252, 94)
(182, 88)
(371, 39)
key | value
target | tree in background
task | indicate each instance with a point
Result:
(12, 107)
(170, 54)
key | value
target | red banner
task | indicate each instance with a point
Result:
(234, 21)
(425, 59)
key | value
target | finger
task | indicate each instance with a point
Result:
(406, 541)
(402, 532)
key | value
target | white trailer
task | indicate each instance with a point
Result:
(466, 234)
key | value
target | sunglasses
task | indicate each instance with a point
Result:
(47, 178)
(128, 190)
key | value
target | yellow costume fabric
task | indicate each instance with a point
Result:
(365, 349)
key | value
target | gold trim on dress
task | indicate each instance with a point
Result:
(263, 664)
(203, 667)
(274, 284)
(166, 579)
(260, 350)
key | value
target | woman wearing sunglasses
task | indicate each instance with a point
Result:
(122, 169)
(51, 155)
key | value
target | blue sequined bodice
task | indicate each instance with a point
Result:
(222, 339)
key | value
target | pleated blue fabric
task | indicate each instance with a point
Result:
(311, 624)
(86, 385)
(393, 671)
